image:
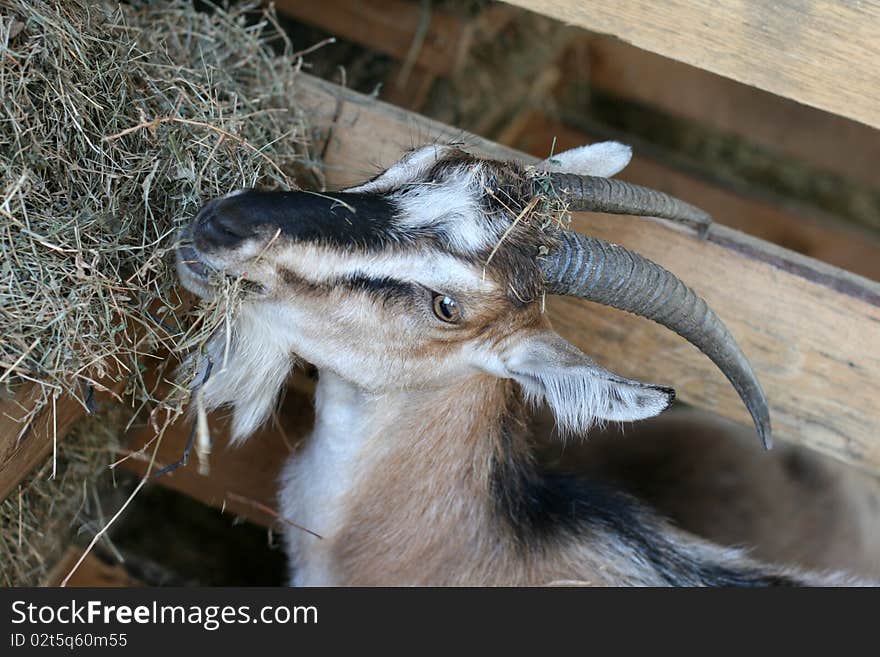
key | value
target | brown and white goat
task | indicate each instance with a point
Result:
(418, 296)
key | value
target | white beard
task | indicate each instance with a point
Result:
(249, 373)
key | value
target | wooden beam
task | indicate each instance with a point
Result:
(825, 141)
(390, 27)
(24, 446)
(811, 331)
(822, 53)
(408, 89)
(241, 480)
(93, 572)
(804, 230)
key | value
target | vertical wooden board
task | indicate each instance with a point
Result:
(818, 52)
(811, 331)
(390, 27)
(408, 89)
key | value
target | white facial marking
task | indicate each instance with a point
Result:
(451, 205)
(435, 270)
(410, 167)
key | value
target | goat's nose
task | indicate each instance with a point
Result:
(220, 224)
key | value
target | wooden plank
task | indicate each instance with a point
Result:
(811, 331)
(805, 231)
(25, 446)
(821, 53)
(241, 480)
(390, 27)
(826, 141)
(93, 572)
(408, 88)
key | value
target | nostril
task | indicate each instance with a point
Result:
(224, 224)
(223, 228)
(208, 210)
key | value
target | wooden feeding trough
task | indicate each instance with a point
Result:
(810, 327)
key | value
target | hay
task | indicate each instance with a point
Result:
(39, 519)
(117, 123)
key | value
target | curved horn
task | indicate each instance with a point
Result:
(609, 274)
(598, 194)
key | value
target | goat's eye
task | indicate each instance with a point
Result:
(446, 308)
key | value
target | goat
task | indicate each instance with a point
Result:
(418, 296)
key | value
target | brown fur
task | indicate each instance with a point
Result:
(420, 511)
(790, 505)
(422, 498)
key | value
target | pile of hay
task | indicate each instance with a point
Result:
(117, 123)
(41, 518)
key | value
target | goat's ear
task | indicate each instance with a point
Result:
(602, 159)
(580, 392)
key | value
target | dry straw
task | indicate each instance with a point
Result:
(117, 122)
(38, 520)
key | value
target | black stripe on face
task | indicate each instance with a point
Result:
(337, 219)
(383, 288)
